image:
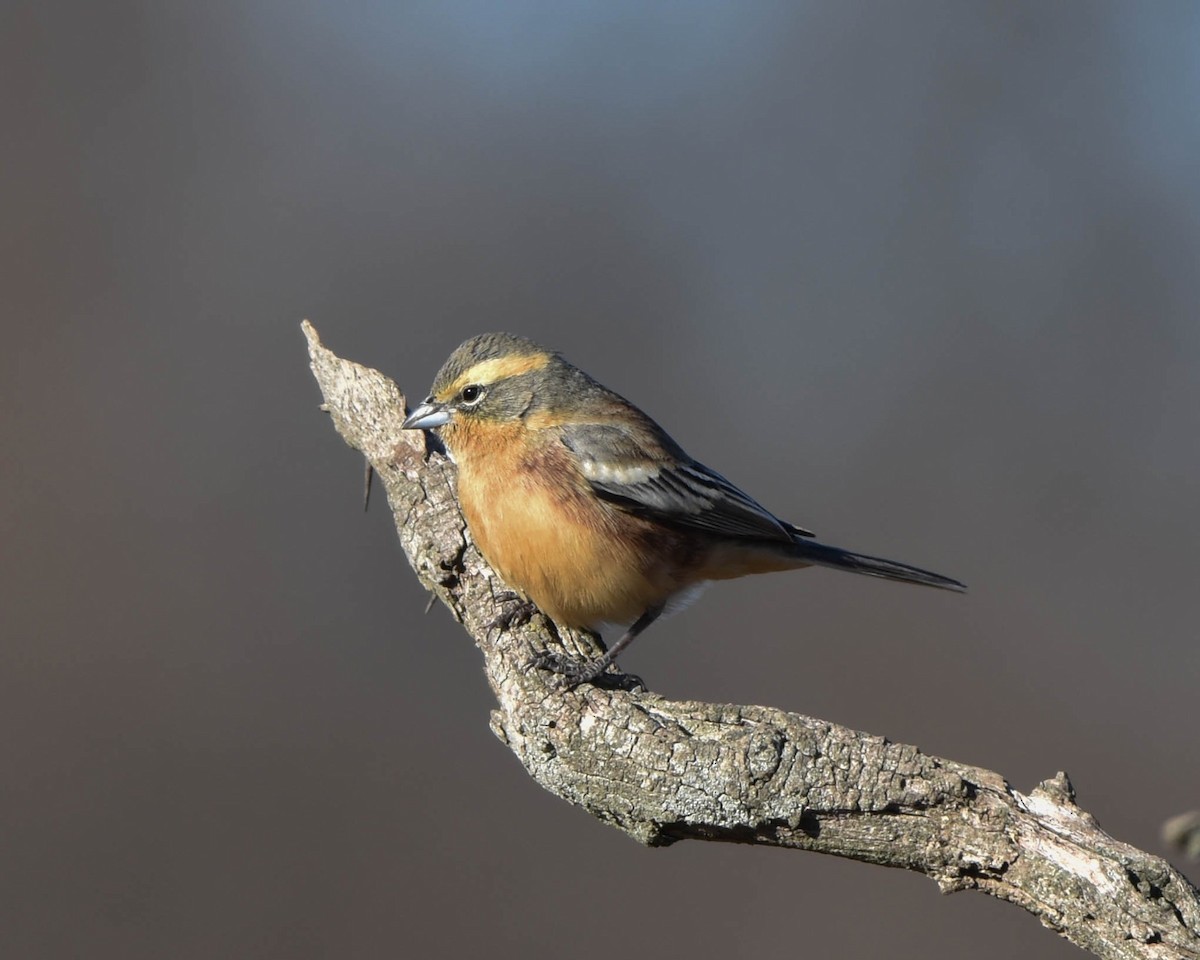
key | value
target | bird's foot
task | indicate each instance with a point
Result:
(571, 672)
(518, 612)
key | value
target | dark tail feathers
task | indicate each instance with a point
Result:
(826, 556)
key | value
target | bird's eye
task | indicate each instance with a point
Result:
(471, 394)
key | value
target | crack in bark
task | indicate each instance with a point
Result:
(664, 771)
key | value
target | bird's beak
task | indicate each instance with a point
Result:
(427, 416)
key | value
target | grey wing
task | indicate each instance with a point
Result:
(666, 484)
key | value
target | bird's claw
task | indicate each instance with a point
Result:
(518, 613)
(571, 672)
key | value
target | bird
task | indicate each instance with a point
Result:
(588, 509)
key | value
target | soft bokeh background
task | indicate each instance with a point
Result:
(922, 277)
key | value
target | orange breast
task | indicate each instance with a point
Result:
(582, 561)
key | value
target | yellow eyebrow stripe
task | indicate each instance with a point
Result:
(499, 368)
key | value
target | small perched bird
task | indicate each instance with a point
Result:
(589, 509)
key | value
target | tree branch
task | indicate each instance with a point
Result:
(664, 770)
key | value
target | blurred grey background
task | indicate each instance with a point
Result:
(922, 277)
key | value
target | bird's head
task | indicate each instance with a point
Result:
(495, 378)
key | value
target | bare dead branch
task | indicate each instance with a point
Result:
(664, 770)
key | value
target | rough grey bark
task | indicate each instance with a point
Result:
(665, 770)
